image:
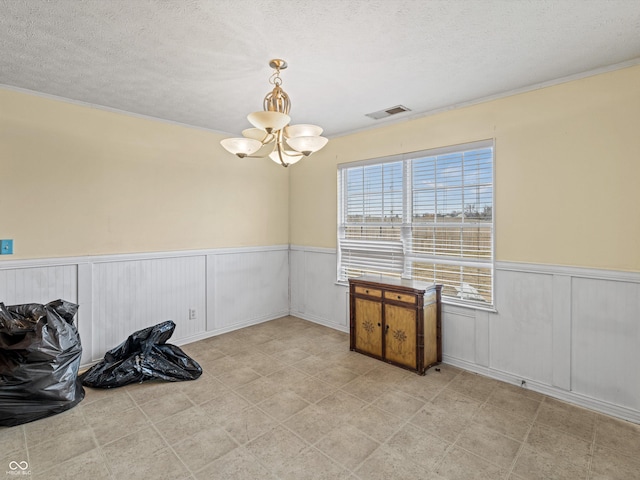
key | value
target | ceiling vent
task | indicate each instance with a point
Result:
(387, 112)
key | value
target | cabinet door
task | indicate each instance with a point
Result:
(400, 335)
(368, 326)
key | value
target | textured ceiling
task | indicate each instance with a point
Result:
(205, 62)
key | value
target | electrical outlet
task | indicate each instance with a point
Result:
(6, 247)
(192, 314)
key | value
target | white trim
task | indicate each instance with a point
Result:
(303, 248)
(580, 272)
(320, 321)
(127, 257)
(561, 394)
(104, 108)
(416, 154)
(394, 120)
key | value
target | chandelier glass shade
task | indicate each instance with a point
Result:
(272, 136)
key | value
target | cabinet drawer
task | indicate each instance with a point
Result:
(372, 292)
(400, 297)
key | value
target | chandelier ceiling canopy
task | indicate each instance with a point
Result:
(272, 135)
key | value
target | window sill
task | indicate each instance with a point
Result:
(445, 301)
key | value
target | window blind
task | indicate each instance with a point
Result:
(428, 216)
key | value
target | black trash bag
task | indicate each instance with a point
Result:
(141, 357)
(40, 354)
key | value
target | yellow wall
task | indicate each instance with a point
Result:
(567, 171)
(81, 181)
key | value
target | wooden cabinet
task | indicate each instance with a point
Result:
(396, 320)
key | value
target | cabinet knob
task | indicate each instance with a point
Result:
(379, 324)
(386, 329)
(399, 297)
(366, 291)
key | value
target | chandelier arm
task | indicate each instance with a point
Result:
(279, 147)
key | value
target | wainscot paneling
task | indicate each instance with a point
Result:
(568, 332)
(315, 295)
(38, 283)
(223, 289)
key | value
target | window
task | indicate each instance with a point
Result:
(426, 215)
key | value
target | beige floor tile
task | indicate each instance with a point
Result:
(117, 401)
(169, 404)
(287, 376)
(534, 464)
(259, 389)
(291, 355)
(357, 362)
(423, 449)
(143, 454)
(272, 347)
(575, 421)
(44, 429)
(456, 403)
(109, 427)
(489, 445)
(311, 389)
(89, 465)
(248, 425)
(514, 403)
(238, 377)
(202, 448)
(268, 367)
(93, 394)
(559, 444)
(311, 365)
(60, 448)
(364, 388)
(219, 365)
(347, 445)
(13, 446)
(473, 385)
(223, 406)
(283, 404)
(420, 387)
(520, 390)
(202, 389)
(276, 448)
(312, 465)
(459, 464)
(341, 405)
(399, 404)
(144, 392)
(336, 375)
(184, 424)
(619, 435)
(386, 464)
(610, 464)
(388, 375)
(440, 422)
(376, 423)
(312, 423)
(236, 465)
(503, 422)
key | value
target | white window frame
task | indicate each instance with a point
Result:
(389, 259)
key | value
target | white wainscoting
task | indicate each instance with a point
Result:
(119, 294)
(571, 333)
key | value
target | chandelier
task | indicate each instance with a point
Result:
(273, 136)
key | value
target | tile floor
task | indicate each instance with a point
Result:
(286, 400)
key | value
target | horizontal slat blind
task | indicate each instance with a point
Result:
(429, 217)
(371, 220)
